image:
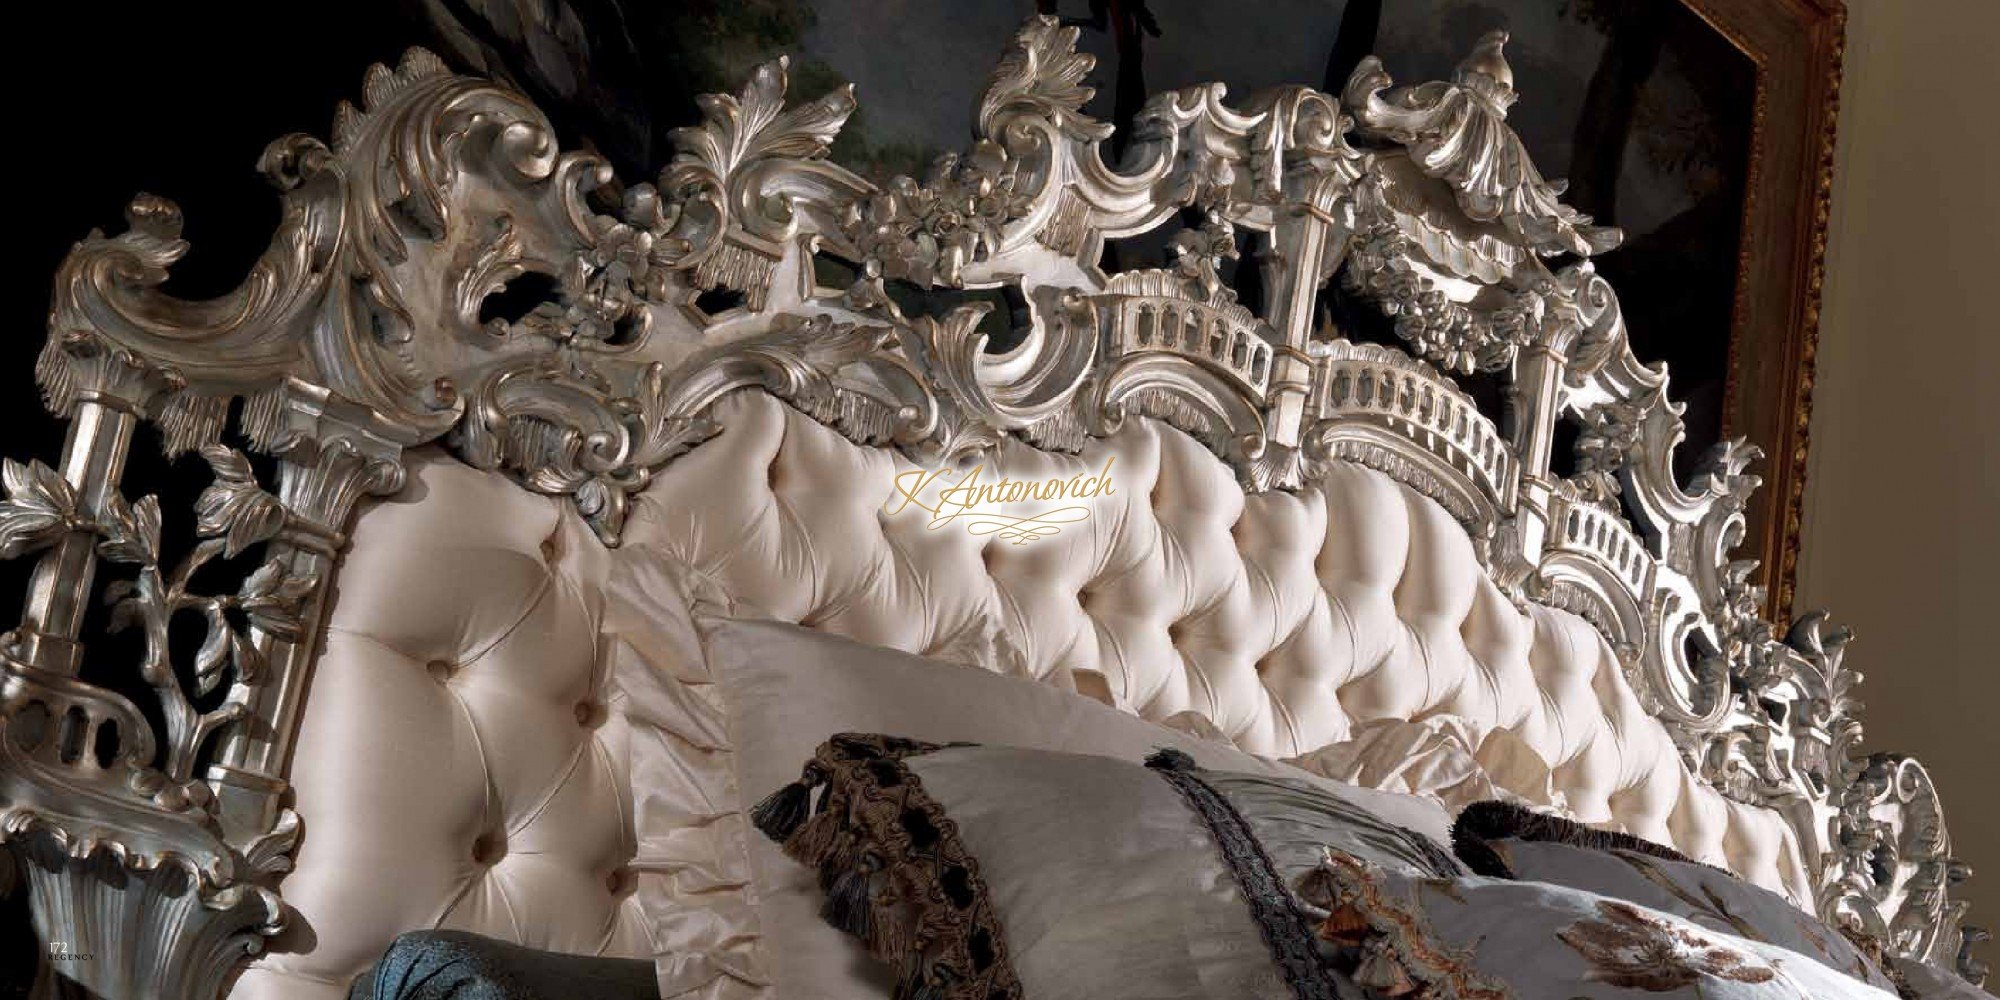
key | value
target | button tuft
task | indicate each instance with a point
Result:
(489, 849)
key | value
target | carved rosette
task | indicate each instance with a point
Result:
(375, 323)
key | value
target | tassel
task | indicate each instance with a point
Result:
(920, 984)
(820, 837)
(895, 923)
(1170, 759)
(783, 811)
(895, 934)
(814, 843)
(848, 904)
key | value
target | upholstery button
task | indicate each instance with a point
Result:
(621, 881)
(590, 714)
(441, 670)
(489, 849)
(549, 550)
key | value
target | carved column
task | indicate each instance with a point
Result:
(1300, 256)
(102, 392)
(333, 453)
(132, 890)
(1534, 394)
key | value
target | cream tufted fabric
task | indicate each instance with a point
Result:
(1284, 619)
(458, 764)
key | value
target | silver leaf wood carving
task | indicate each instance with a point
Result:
(359, 335)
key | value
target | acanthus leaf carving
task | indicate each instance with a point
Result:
(1040, 78)
(732, 188)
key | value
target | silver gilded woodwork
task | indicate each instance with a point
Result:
(359, 335)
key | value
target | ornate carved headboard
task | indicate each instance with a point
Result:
(454, 315)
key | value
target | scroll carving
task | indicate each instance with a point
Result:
(375, 323)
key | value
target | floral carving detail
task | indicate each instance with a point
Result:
(1451, 334)
(1634, 950)
(1609, 434)
(233, 514)
(927, 233)
(234, 508)
(1199, 253)
(40, 507)
(603, 292)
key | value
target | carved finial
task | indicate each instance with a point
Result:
(1486, 69)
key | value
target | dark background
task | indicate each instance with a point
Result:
(1637, 101)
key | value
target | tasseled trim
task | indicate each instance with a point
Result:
(850, 906)
(892, 866)
(925, 983)
(1170, 759)
(1483, 822)
(783, 810)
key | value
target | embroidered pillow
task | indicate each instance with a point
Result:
(990, 872)
(1474, 938)
(1504, 840)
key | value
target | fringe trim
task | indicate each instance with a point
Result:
(895, 873)
(1483, 822)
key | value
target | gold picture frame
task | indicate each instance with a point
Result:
(1781, 261)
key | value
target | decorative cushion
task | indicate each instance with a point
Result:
(992, 873)
(1476, 938)
(1507, 841)
(787, 688)
(458, 965)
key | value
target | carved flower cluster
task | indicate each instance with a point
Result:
(1609, 434)
(927, 233)
(1199, 253)
(603, 293)
(1442, 331)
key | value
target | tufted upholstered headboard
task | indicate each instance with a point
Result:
(404, 714)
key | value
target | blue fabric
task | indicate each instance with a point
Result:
(456, 965)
